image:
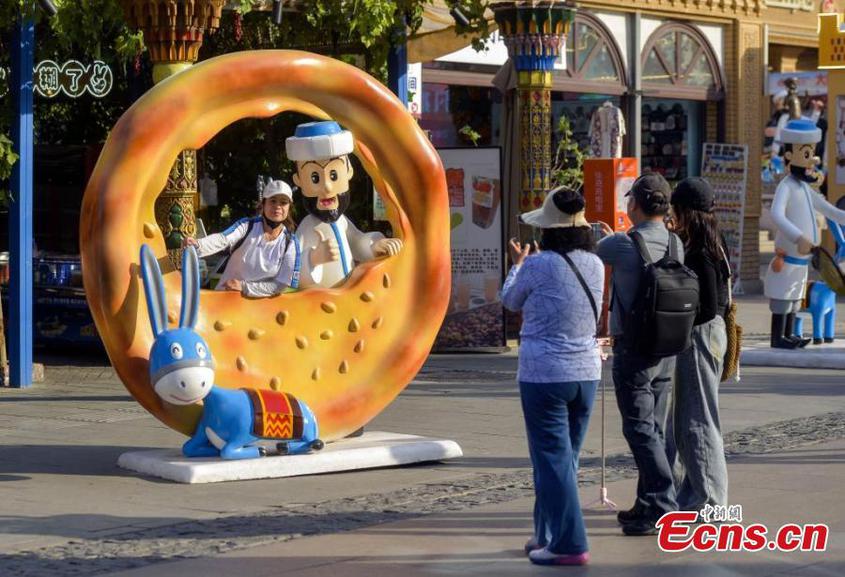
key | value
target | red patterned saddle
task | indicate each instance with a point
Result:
(276, 415)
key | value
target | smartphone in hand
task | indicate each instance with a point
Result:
(600, 230)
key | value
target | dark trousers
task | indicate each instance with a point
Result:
(556, 419)
(643, 389)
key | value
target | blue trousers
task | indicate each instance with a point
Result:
(556, 419)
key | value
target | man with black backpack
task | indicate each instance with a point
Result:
(653, 304)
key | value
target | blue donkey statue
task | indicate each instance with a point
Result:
(182, 373)
(820, 302)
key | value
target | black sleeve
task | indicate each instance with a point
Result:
(708, 282)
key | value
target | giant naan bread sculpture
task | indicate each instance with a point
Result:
(346, 351)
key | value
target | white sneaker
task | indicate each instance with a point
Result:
(532, 545)
(545, 557)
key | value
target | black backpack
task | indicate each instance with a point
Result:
(661, 318)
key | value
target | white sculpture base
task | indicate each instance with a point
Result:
(824, 356)
(369, 451)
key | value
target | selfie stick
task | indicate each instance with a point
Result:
(603, 500)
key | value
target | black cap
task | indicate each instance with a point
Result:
(652, 192)
(695, 194)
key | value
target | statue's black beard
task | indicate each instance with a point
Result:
(800, 173)
(327, 215)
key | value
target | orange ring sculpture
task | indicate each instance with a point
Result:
(347, 351)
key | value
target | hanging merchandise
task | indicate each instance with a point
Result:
(607, 128)
(725, 167)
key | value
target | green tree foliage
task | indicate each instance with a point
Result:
(356, 31)
(7, 159)
(568, 168)
(84, 30)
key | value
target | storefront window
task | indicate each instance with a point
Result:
(655, 70)
(676, 55)
(584, 41)
(699, 73)
(589, 53)
(681, 78)
(602, 67)
(689, 50)
(579, 108)
(664, 49)
(450, 113)
(672, 136)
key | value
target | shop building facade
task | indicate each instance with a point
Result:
(683, 72)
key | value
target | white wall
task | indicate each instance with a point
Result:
(716, 36)
(495, 53)
(647, 28)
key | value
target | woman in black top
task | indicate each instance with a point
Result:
(695, 410)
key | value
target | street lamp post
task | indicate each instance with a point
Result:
(535, 34)
(173, 33)
(20, 208)
(397, 63)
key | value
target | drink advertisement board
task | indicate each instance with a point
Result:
(475, 318)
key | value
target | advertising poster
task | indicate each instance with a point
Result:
(475, 318)
(725, 167)
(809, 83)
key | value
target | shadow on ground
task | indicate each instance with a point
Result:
(94, 460)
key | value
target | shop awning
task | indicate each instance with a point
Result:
(436, 37)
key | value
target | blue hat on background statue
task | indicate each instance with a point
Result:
(801, 131)
(319, 141)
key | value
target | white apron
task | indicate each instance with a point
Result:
(788, 284)
(793, 213)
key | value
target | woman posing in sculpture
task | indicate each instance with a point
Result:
(264, 253)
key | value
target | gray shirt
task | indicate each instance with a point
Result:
(618, 251)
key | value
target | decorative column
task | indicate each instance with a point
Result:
(173, 33)
(535, 34)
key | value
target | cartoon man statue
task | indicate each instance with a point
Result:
(331, 244)
(793, 212)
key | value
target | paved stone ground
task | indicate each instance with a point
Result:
(211, 537)
(66, 510)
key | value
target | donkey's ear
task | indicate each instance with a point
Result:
(154, 289)
(190, 288)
